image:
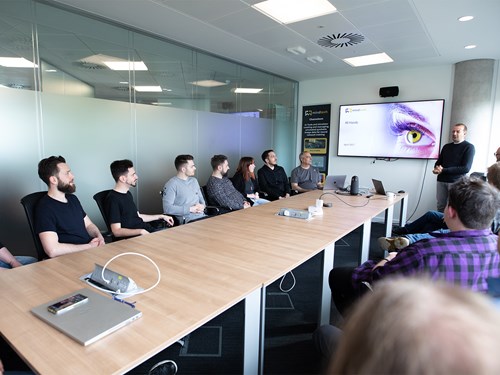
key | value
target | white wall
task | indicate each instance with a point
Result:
(413, 176)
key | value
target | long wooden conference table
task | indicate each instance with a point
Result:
(206, 268)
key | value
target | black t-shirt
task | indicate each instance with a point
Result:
(120, 208)
(66, 219)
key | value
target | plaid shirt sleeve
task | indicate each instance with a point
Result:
(407, 262)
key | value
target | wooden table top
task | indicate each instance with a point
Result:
(206, 267)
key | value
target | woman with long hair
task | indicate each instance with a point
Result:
(245, 181)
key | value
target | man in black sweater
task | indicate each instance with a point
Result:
(272, 178)
(455, 161)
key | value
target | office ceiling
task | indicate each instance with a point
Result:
(412, 32)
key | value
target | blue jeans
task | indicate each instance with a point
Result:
(428, 222)
(24, 260)
(258, 202)
(414, 237)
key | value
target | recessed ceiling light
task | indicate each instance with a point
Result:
(16, 62)
(124, 83)
(148, 88)
(377, 58)
(126, 65)
(208, 83)
(466, 18)
(50, 70)
(243, 90)
(470, 46)
(289, 11)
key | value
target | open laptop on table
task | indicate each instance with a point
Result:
(89, 321)
(379, 187)
(334, 182)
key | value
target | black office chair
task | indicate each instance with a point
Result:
(212, 208)
(99, 198)
(29, 203)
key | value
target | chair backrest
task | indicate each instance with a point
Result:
(212, 208)
(100, 199)
(29, 203)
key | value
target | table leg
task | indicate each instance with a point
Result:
(253, 351)
(403, 212)
(326, 294)
(365, 240)
(389, 216)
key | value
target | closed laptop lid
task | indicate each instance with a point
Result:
(90, 321)
(335, 182)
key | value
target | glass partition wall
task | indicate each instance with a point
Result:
(95, 92)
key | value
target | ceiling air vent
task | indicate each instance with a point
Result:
(89, 65)
(340, 40)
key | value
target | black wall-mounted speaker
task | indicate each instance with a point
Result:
(386, 92)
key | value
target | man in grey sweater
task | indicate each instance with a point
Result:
(182, 196)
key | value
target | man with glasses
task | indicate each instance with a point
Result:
(306, 177)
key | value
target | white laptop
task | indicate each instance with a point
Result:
(88, 322)
(334, 182)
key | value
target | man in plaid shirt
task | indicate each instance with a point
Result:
(466, 256)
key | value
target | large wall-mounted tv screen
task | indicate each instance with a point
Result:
(391, 130)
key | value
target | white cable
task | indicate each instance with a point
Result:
(283, 279)
(138, 254)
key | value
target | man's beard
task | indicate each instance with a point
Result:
(225, 174)
(66, 188)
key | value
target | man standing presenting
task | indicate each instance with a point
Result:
(220, 189)
(272, 178)
(60, 221)
(125, 220)
(455, 161)
(305, 177)
(182, 196)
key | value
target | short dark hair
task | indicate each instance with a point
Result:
(48, 167)
(120, 168)
(265, 154)
(461, 124)
(217, 160)
(182, 160)
(475, 201)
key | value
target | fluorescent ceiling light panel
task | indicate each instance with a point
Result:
(470, 46)
(126, 65)
(466, 18)
(208, 83)
(16, 62)
(377, 58)
(148, 88)
(243, 90)
(296, 50)
(289, 11)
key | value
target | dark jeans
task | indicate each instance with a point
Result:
(428, 222)
(343, 293)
